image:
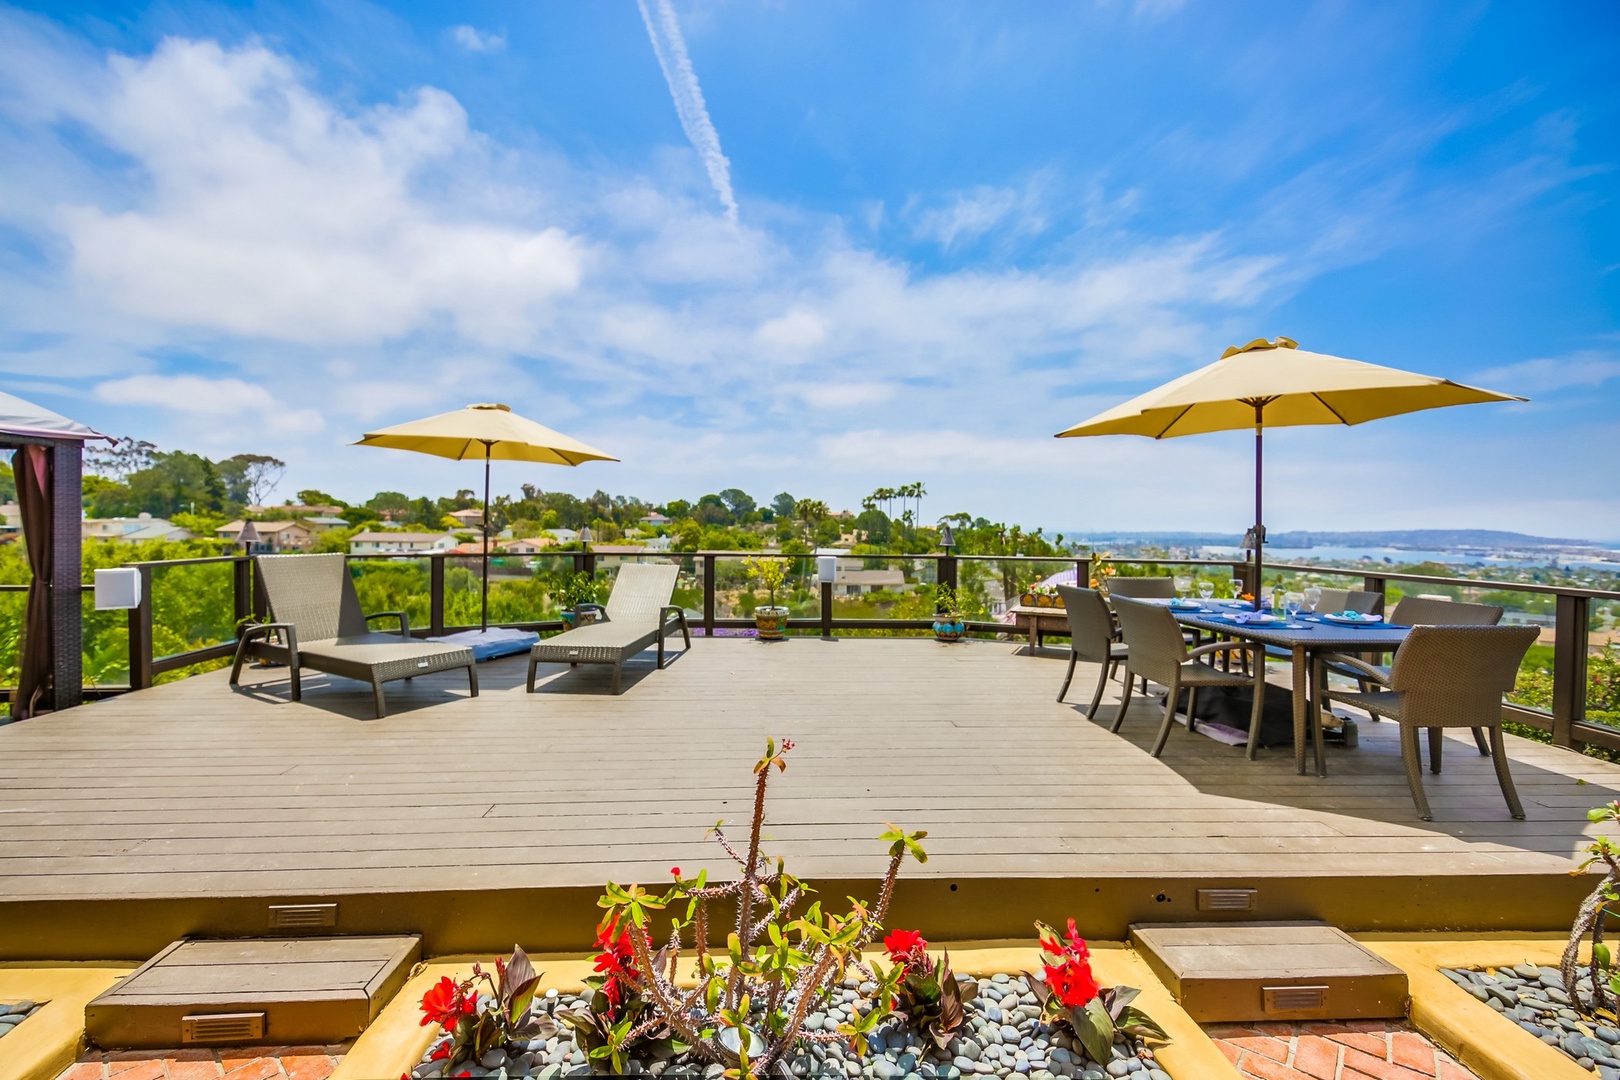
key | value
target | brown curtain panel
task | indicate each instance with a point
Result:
(32, 466)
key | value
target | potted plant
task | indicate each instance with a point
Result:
(770, 619)
(950, 615)
(572, 592)
(1101, 568)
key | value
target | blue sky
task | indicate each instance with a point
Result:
(825, 247)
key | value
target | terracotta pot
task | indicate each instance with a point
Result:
(568, 618)
(1028, 599)
(771, 622)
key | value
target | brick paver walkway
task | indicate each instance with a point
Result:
(231, 1063)
(1353, 1050)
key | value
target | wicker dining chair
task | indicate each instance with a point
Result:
(1092, 638)
(1158, 651)
(1422, 611)
(1444, 676)
(1142, 588)
(1337, 600)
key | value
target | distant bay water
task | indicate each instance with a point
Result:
(1408, 555)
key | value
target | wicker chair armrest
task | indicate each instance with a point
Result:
(601, 612)
(404, 623)
(265, 629)
(1219, 646)
(1355, 663)
(671, 609)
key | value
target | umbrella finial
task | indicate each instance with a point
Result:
(1260, 343)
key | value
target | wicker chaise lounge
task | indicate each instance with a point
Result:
(637, 615)
(316, 622)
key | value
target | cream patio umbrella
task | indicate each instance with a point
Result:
(1277, 384)
(491, 432)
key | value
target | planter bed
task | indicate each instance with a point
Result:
(1001, 1037)
(1537, 1000)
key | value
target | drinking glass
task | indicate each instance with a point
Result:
(1206, 589)
(1183, 584)
(1237, 587)
(1292, 602)
(1313, 596)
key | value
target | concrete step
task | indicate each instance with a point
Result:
(1223, 972)
(253, 991)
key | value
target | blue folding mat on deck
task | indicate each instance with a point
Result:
(488, 644)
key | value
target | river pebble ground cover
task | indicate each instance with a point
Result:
(1537, 1000)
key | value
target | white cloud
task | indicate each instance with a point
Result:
(664, 30)
(222, 402)
(1588, 367)
(474, 40)
(272, 215)
(843, 395)
(792, 332)
(972, 214)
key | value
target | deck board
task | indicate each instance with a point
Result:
(191, 790)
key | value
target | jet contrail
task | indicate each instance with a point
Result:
(670, 47)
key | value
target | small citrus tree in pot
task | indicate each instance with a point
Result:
(950, 614)
(769, 574)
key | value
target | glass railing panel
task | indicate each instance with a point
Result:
(883, 587)
(737, 593)
(105, 646)
(1603, 663)
(398, 583)
(13, 603)
(193, 606)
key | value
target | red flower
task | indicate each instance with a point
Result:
(614, 961)
(446, 1003)
(675, 871)
(903, 943)
(1072, 983)
(787, 744)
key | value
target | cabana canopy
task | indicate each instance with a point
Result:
(48, 466)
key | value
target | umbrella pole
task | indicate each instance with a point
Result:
(485, 627)
(1259, 488)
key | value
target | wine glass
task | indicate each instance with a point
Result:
(1183, 585)
(1292, 602)
(1206, 589)
(1313, 596)
(1237, 588)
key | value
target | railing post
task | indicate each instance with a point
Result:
(242, 591)
(826, 609)
(140, 635)
(1569, 667)
(435, 595)
(1380, 585)
(947, 571)
(1244, 572)
(708, 595)
(589, 561)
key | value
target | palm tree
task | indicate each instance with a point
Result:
(812, 512)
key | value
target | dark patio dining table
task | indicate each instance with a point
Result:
(1304, 637)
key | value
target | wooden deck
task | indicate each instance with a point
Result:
(189, 808)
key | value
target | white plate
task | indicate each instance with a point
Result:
(1364, 620)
